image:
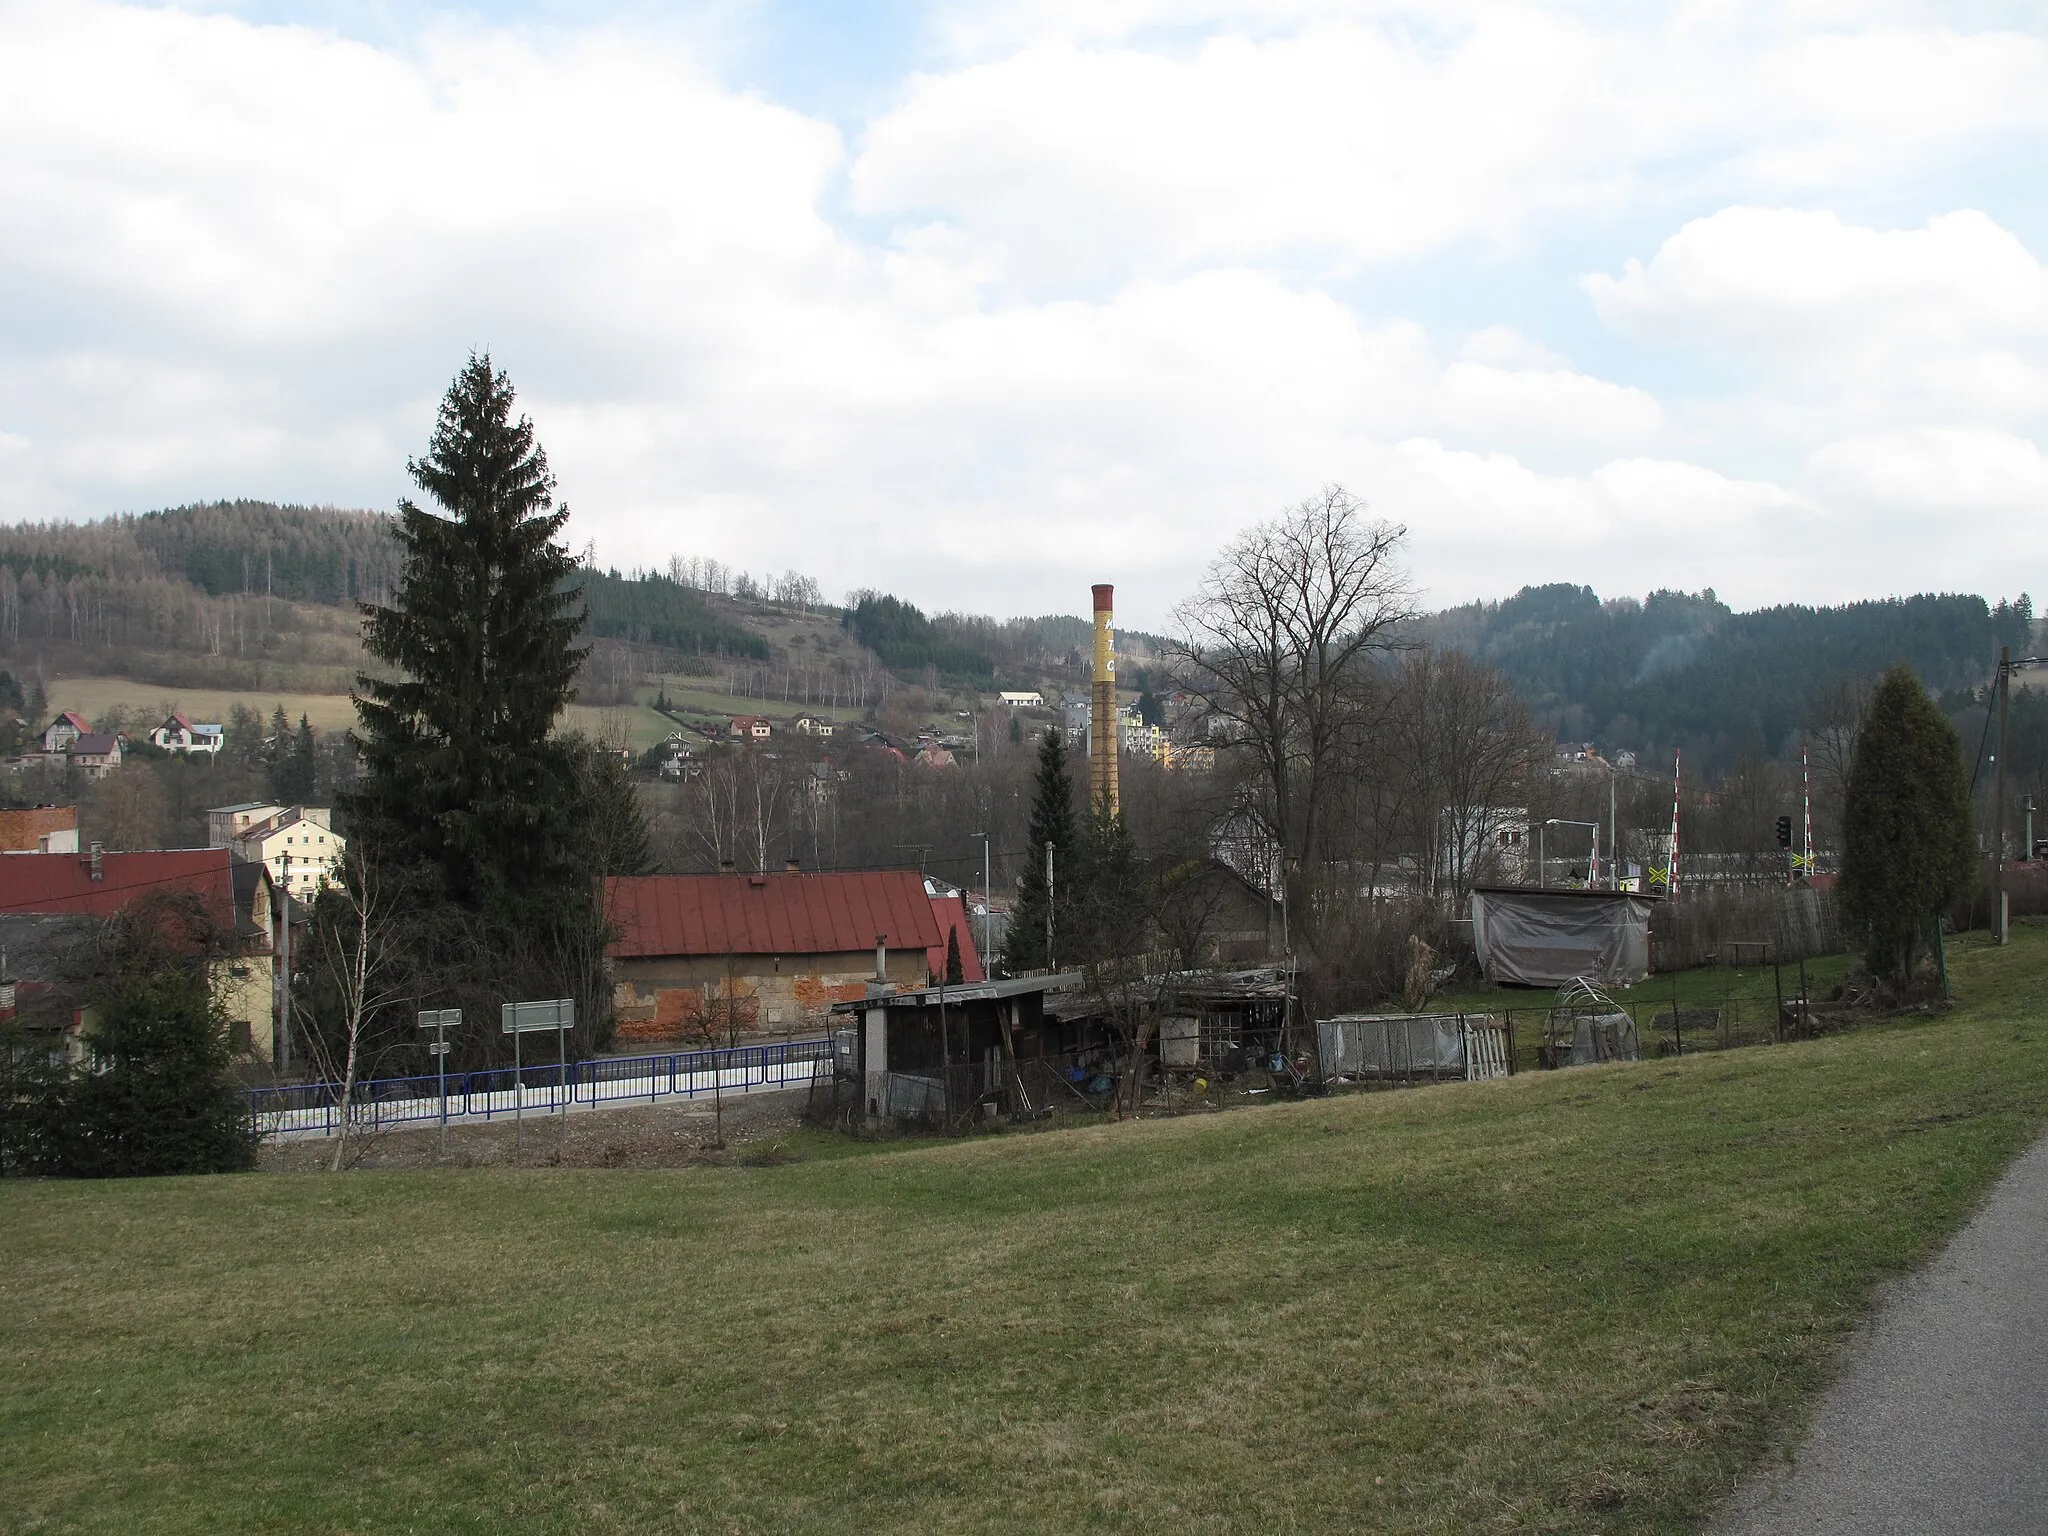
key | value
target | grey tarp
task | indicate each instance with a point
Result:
(1547, 938)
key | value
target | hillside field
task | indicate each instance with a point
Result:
(92, 697)
(1570, 1301)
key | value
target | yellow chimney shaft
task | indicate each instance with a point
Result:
(1102, 742)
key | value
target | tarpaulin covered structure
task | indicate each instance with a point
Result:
(1539, 938)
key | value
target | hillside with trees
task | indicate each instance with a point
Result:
(1684, 670)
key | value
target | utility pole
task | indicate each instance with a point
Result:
(1998, 797)
(1049, 966)
(988, 915)
(1613, 841)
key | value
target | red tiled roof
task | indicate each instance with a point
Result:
(24, 829)
(63, 882)
(774, 914)
(951, 912)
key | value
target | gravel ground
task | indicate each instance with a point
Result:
(645, 1136)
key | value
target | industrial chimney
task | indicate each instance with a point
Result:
(1102, 742)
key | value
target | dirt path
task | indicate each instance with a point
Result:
(1940, 1423)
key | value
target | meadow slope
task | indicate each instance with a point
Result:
(1570, 1301)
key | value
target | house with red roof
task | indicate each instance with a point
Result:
(237, 894)
(179, 734)
(64, 730)
(719, 956)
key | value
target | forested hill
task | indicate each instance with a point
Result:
(1680, 669)
(152, 580)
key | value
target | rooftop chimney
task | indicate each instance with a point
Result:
(725, 866)
(792, 866)
(881, 957)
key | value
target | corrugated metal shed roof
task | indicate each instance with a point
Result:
(774, 914)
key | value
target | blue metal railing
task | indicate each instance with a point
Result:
(495, 1092)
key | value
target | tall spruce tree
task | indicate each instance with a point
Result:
(461, 770)
(1106, 908)
(1908, 848)
(1052, 821)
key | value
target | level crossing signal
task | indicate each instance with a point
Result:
(1784, 831)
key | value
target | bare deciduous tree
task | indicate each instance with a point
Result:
(127, 809)
(1472, 759)
(358, 949)
(1272, 643)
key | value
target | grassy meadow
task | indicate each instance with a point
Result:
(92, 697)
(1571, 1301)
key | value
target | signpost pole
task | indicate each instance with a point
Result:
(562, 1062)
(440, 1021)
(557, 1014)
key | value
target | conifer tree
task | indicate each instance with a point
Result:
(461, 770)
(1107, 904)
(1052, 821)
(157, 1096)
(956, 971)
(305, 767)
(1908, 849)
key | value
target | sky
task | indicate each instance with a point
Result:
(982, 303)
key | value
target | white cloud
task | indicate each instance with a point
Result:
(1371, 135)
(1783, 281)
(1957, 473)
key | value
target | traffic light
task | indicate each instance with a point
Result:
(1784, 831)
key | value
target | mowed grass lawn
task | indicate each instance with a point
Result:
(1580, 1300)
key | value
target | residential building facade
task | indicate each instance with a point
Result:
(178, 734)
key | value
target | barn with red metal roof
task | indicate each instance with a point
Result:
(704, 956)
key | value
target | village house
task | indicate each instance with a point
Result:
(236, 893)
(95, 754)
(721, 955)
(178, 734)
(751, 728)
(44, 829)
(1022, 700)
(64, 730)
(298, 846)
(811, 725)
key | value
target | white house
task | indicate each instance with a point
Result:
(812, 725)
(1021, 700)
(300, 838)
(64, 730)
(179, 734)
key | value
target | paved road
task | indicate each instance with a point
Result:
(1940, 1422)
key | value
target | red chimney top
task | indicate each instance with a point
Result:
(1103, 593)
